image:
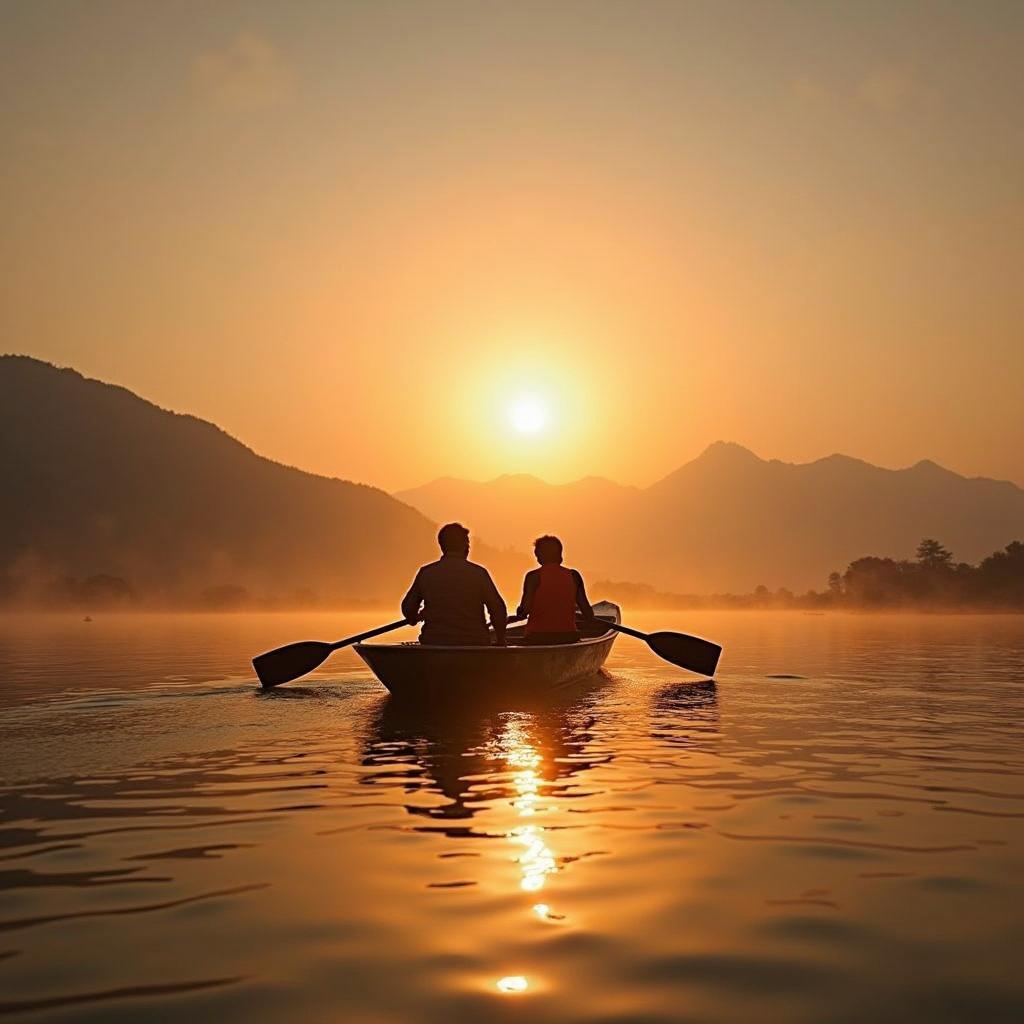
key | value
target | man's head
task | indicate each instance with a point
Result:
(548, 550)
(454, 539)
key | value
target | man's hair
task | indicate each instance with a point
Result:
(452, 537)
(548, 548)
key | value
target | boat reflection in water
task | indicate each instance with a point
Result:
(514, 775)
(480, 756)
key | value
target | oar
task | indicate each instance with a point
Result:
(287, 663)
(689, 652)
(284, 664)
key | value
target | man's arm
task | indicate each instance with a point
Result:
(496, 609)
(412, 602)
(529, 590)
(581, 597)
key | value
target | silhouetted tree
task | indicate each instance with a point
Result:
(932, 555)
(1000, 577)
(935, 580)
(875, 581)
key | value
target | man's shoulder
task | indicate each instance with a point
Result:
(455, 565)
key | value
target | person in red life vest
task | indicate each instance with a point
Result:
(551, 595)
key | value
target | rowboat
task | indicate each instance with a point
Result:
(410, 670)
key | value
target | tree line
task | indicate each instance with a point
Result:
(932, 579)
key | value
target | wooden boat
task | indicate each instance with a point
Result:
(442, 673)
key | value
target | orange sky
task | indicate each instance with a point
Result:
(356, 235)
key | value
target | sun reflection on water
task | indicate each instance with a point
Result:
(536, 861)
(521, 753)
(513, 983)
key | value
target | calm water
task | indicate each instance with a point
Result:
(843, 846)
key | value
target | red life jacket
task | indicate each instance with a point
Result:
(554, 602)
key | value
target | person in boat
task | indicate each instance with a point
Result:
(449, 597)
(551, 596)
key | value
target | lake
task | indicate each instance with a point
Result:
(832, 831)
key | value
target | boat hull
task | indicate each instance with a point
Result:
(442, 673)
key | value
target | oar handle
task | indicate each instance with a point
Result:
(624, 629)
(360, 637)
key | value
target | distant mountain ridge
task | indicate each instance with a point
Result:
(730, 520)
(100, 481)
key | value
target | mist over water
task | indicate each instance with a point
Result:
(833, 831)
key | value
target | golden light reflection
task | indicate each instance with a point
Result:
(527, 781)
(513, 983)
(536, 861)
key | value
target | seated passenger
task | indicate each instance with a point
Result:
(551, 595)
(449, 596)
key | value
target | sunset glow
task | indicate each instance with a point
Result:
(512, 510)
(511, 258)
(528, 414)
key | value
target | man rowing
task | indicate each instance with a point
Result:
(449, 596)
(551, 596)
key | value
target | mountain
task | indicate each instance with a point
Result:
(519, 507)
(730, 521)
(99, 482)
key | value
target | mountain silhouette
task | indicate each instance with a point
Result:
(106, 488)
(98, 481)
(730, 521)
(519, 507)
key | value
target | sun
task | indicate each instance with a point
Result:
(528, 414)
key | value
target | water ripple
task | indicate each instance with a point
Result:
(841, 842)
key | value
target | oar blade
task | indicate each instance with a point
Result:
(287, 663)
(690, 652)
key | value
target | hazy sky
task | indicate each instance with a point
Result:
(369, 239)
